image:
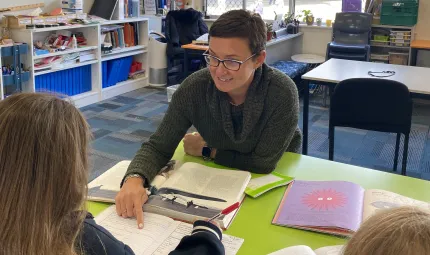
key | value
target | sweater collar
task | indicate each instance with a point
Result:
(219, 104)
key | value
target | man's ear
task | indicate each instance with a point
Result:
(260, 59)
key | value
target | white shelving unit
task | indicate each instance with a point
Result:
(92, 33)
(384, 50)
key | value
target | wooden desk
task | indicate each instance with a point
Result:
(195, 47)
(417, 45)
(334, 71)
(192, 49)
(253, 222)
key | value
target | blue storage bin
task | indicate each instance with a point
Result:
(8, 51)
(68, 82)
(115, 71)
(9, 80)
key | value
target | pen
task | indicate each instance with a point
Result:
(226, 211)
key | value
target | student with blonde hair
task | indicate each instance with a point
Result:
(402, 230)
(43, 185)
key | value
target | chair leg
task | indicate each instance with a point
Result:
(396, 152)
(405, 154)
(331, 142)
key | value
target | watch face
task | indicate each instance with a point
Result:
(206, 152)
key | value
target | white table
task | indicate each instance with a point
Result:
(330, 73)
(308, 58)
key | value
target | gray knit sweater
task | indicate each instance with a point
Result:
(250, 137)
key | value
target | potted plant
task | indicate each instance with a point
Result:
(309, 17)
(269, 28)
(319, 21)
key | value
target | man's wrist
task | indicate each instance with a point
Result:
(135, 176)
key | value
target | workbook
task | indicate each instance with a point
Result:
(159, 236)
(305, 250)
(260, 185)
(334, 207)
(186, 192)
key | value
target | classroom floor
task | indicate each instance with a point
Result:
(122, 123)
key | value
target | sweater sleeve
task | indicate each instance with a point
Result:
(281, 129)
(154, 154)
(204, 240)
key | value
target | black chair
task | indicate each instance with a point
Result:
(351, 36)
(372, 104)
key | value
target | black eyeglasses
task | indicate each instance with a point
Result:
(230, 64)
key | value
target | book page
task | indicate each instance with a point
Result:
(210, 187)
(107, 185)
(376, 200)
(159, 236)
(324, 204)
(142, 241)
(330, 250)
(231, 244)
(294, 250)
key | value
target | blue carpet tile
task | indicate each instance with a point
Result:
(122, 123)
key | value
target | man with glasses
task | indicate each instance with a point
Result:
(245, 112)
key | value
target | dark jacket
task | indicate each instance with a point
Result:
(96, 240)
(182, 27)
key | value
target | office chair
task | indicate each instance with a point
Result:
(351, 36)
(372, 104)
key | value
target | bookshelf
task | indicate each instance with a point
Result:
(92, 91)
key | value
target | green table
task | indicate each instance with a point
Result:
(253, 222)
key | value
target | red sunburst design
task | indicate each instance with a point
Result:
(324, 199)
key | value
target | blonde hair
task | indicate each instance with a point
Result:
(43, 174)
(402, 230)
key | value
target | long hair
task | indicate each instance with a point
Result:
(43, 174)
(403, 230)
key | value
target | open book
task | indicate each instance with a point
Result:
(305, 250)
(188, 193)
(159, 236)
(335, 207)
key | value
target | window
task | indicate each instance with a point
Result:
(327, 9)
(324, 9)
(268, 8)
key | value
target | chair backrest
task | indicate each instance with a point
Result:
(352, 28)
(184, 26)
(372, 104)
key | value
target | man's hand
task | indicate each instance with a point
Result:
(193, 144)
(130, 200)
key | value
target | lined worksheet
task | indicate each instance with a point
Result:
(159, 236)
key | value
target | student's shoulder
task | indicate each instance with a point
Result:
(281, 87)
(97, 240)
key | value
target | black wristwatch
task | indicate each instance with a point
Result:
(206, 153)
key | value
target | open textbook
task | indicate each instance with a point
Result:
(305, 250)
(335, 207)
(188, 192)
(159, 236)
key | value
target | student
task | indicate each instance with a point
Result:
(246, 113)
(402, 230)
(43, 185)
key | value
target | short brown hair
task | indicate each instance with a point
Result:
(43, 174)
(402, 230)
(242, 24)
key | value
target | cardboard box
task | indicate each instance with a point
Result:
(62, 19)
(50, 19)
(18, 21)
(38, 20)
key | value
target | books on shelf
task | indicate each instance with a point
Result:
(160, 234)
(121, 36)
(188, 192)
(305, 250)
(334, 207)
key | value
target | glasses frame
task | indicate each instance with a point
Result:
(206, 54)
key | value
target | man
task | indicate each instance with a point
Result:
(245, 112)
